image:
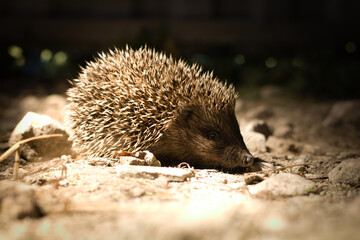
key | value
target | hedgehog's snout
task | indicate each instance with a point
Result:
(238, 157)
(247, 160)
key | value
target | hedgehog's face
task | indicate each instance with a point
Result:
(206, 139)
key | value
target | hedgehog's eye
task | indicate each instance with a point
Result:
(214, 136)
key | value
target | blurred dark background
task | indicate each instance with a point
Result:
(311, 48)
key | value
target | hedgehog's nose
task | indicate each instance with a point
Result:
(248, 160)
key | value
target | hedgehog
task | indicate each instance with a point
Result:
(135, 100)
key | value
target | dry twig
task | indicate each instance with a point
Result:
(16, 147)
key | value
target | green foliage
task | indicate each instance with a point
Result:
(319, 73)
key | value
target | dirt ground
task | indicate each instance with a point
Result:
(67, 198)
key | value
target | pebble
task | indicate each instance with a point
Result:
(283, 184)
(149, 158)
(141, 158)
(347, 172)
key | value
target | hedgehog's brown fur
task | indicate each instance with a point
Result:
(128, 100)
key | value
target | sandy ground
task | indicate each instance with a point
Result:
(69, 198)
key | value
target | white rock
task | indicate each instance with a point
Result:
(148, 157)
(34, 124)
(283, 184)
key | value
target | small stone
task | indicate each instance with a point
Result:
(141, 158)
(171, 174)
(347, 172)
(140, 154)
(283, 184)
(149, 158)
